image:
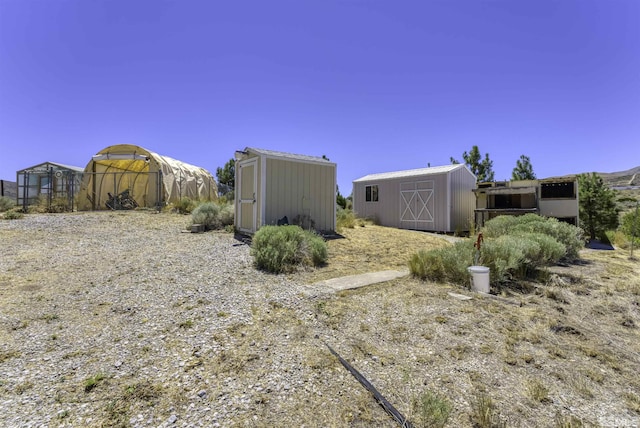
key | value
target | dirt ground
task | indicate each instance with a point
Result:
(562, 352)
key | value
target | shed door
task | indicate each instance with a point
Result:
(416, 205)
(247, 207)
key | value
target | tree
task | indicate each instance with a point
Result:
(227, 179)
(341, 201)
(523, 169)
(630, 224)
(598, 209)
(481, 168)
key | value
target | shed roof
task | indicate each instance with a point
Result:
(59, 165)
(289, 156)
(411, 172)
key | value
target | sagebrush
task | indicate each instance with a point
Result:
(279, 249)
(6, 203)
(513, 248)
(213, 215)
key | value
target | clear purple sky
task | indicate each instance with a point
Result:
(376, 86)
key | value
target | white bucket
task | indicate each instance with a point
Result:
(479, 278)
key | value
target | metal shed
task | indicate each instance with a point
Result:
(46, 182)
(272, 185)
(438, 199)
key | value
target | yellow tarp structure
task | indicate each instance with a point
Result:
(151, 179)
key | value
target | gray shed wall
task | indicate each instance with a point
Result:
(299, 188)
(463, 201)
(451, 207)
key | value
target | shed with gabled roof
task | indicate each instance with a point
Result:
(42, 183)
(438, 199)
(272, 185)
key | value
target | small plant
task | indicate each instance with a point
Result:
(13, 214)
(213, 215)
(431, 410)
(207, 214)
(227, 215)
(537, 391)
(568, 422)
(345, 219)
(91, 382)
(6, 203)
(186, 324)
(632, 401)
(484, 413)
(279, 249)
(443, 264)
(23, 387)
(184, 205)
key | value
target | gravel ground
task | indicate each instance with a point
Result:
(123, 319)
(149, 312)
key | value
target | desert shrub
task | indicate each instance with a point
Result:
(58, 205)
(517, 256)
(6, 203)
(431, 410)
(501, 225)
(13, 214)
(508, 256)
(345, 218)
(280, 249)
(568, 235)
(227, 214)
(185, 205)
(550, 250)
(207, 214)
(443, 264)
(427, 265)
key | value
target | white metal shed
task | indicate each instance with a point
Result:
(438, 199)
(272, 185)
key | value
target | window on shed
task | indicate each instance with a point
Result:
(371, 193)
(557, 190)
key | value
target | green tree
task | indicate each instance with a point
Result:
(598, 209)
(631, 223)
(341, 201)
(523, 169)
(481, 168)
(227, 179)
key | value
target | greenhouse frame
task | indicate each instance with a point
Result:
(149, 179)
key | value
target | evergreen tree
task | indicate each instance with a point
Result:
(227, 179)
(523, 169)
(481, 168)
(598, 210)
(341, 201)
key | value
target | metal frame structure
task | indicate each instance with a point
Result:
(49, 180)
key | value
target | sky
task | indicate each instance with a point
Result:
(376, 86)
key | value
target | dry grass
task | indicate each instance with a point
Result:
(371, 248)
(569, 356)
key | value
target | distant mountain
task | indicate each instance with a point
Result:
(630, 177)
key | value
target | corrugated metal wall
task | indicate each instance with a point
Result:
(463, 200)
(299, 188)
(452, 204)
